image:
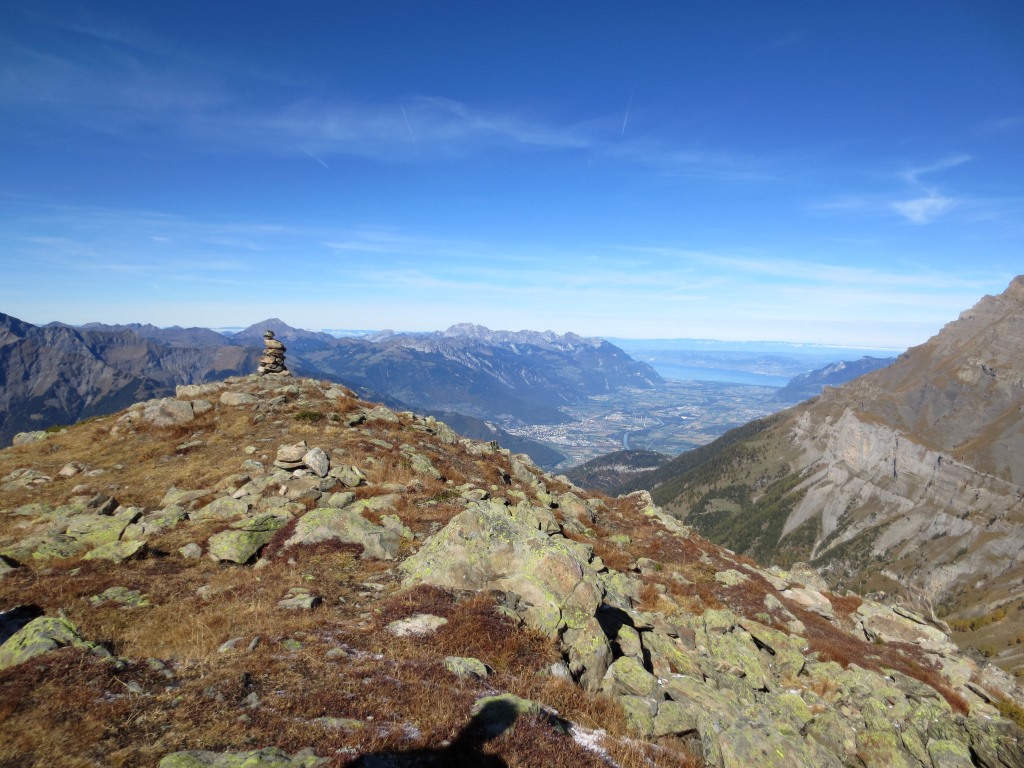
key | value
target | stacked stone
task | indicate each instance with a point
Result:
(272, 360)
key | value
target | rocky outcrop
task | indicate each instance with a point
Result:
(745, 691)
(484, 573)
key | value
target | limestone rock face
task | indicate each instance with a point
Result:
(908, 478)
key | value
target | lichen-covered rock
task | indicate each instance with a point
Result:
(290, 456)
(731, 577)
(883, 749)
(128, 598)
(812, 600)
(742, 746)
(589, 653)
(944, 753)
(56, 546)
(420, 464)
(417, 625)
(168, 412)
(299, 599)
(117, 551)
(485, 548)
(246, 539)
(466, 666)
(736, 652)
(271, 757)
(627, 677)
(40, 636)
(535, 517)
(224, 508)
(995, 743)
(346, 525)
(94, 530)
(710, 708)
(181, 497)
(26, 438)
(884, 624)
(667, 657)
(349, 475)
(237, 398)
(640, 714)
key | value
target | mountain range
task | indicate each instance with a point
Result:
(907, 480)
(56, 374)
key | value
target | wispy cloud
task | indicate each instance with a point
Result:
(130, 84)
(924, 210)
(1002, 124)
(913, 175)
(932, 204)
(390, 277)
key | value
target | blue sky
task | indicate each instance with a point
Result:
(799, 171)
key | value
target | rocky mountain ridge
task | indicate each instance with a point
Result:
(808, 385)
(270, 571)
(56, 374)
(906, 480)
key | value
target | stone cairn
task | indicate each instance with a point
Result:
(272, 360)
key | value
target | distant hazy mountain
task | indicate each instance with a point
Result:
(175, 336)
(283, 332)
(753, 362)
(907, 479)
(523, 376)
(808, 385)
(56, 374)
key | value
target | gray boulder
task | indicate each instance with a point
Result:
(346, 525)
(168, 412)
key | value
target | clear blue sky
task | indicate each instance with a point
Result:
(848, 173)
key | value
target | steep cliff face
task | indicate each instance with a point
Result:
(962, 392)
(906, 480)
(928, 523)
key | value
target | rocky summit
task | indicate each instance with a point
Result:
(268, 571)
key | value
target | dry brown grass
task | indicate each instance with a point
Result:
(833, 644)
